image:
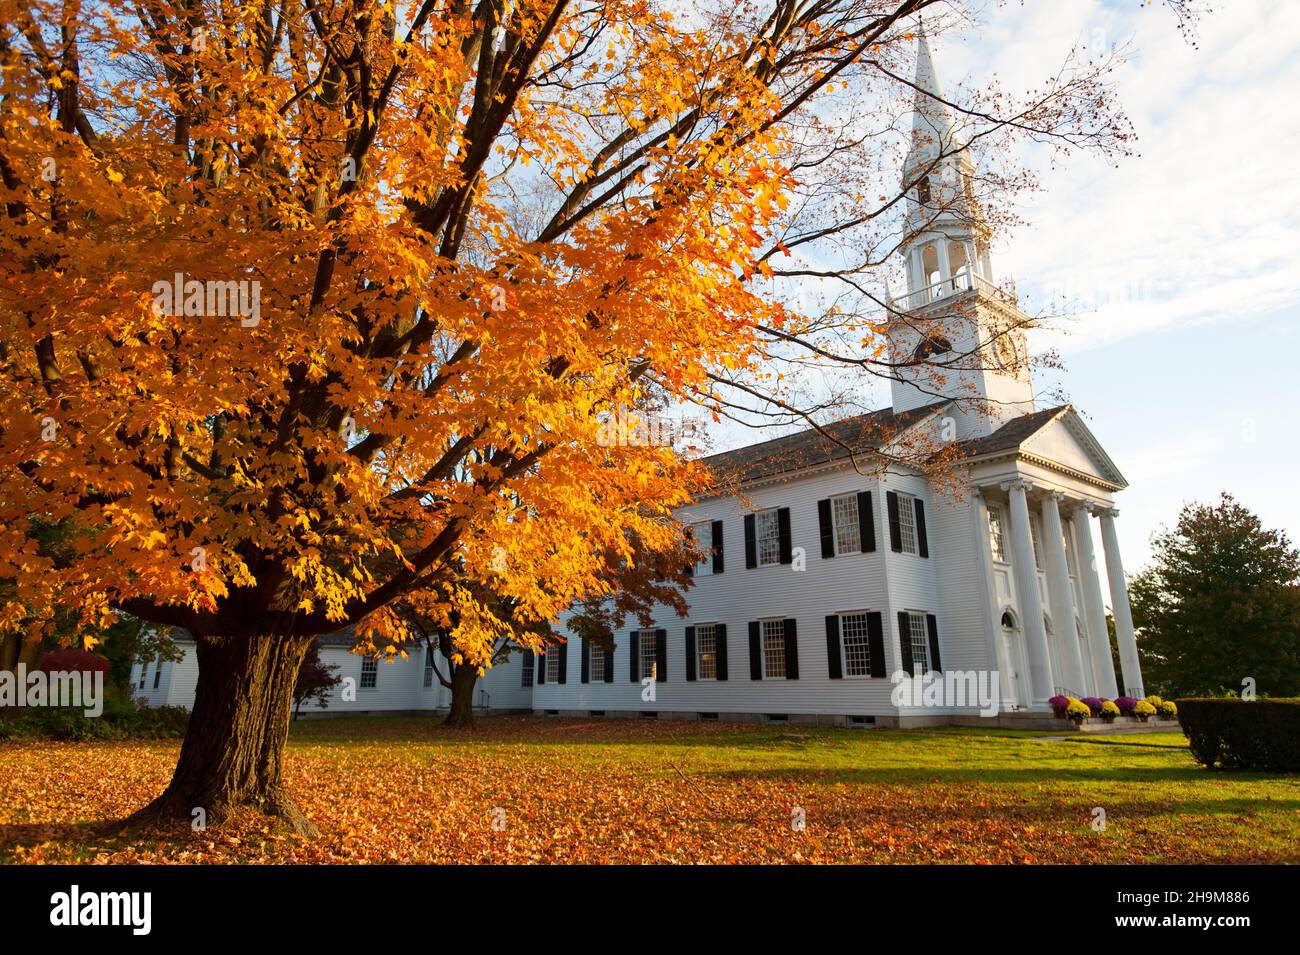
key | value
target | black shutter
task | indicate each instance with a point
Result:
(751, 545)
(755, 648)
(783, 530)
(720, 638)
(609, 666)
(791, 649)
(922, 545)
(866, 522)
(689, 569)
(586, 661)
(905, 641)
(540, 669)
(876, 644)
(828, 532)
(895, 531)
(635, 672)
(564, 662)
(661, 656)
(690, 654)
(718, 566)
(833, 665)
(932, 626)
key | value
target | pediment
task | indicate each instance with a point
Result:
(1066, 441)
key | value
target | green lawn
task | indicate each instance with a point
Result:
(525, 789)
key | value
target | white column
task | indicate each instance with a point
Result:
(1058, 589)
(1128, 654)
(1031, 605)
(992, 617)
(1094, 611)
(945, 267)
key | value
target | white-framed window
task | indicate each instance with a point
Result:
(920, 639)
(844, 517)
(1036, 537)
(773, 634)
(369, 673)
(706, 651)
(997, 534)
(907, 522)
(595, 663)
(767, 531)
(646, 647)
(553, 666)
(703, 535)
(527, 678)
(855, 643)
(428, 667)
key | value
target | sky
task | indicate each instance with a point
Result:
(1181, 262)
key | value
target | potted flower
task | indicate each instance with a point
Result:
(1155, 701)
(1078, 711)
(1144, 711)
(1059, 705)
(1109, 711)
(1168, 710)
(1126, 704)
(1094, 704)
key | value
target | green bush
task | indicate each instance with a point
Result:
(120, 720)
(1240, 734)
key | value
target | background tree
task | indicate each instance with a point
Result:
(620, 590)
(315, 680)
(311, 307)
(1220, 603)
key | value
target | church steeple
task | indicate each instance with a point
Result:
(952, 307)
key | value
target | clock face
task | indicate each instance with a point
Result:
(1004, 347)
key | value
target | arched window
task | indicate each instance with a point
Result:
(923, 191)
(932, 344)
(1008, 620)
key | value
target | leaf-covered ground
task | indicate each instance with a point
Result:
(526, 789)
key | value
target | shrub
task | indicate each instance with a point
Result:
(1143, 710)
(1167, 709)
(1078, 711)
(69, 661)
(1059, 704)
(1126, 704)
(1243, 735)
(1093, 703)
(1109, 710)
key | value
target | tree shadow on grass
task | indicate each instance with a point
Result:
(1031, 775)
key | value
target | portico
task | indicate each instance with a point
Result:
(1047, 616)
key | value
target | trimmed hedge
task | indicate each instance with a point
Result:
(1239, 734)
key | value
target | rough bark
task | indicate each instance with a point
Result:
(463, 680)
(231, 757)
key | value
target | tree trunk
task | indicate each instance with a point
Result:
(235, 739)
(463, 680)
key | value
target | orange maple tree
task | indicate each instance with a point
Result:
(310, 306)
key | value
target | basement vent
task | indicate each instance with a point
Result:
(862, 721)
(776, 717)
(550, 712)
(649, 714)
(595, 712)
(709, 716)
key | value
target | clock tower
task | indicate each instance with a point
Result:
(954, 334)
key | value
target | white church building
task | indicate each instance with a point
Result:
(829, 578)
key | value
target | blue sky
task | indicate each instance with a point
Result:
(1181, 263)
(1183, 260)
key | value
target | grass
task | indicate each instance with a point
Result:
(530, 789)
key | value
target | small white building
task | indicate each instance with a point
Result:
(827, 580)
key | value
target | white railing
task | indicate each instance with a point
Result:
(962, 282)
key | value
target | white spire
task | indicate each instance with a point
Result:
(931, 119)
